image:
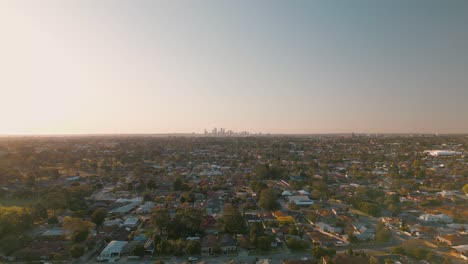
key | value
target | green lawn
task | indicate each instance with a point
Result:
(16, 202)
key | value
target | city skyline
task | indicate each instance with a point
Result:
(154, 67)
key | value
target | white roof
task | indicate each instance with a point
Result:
(57, 231)
(457, 226)
(434, 215)
(112, 222)
(113, 247)
(300, 200)
(103, 196)
(125, 209)
(461, 248)
(146, 207)
(132, 200)
(442, 152)
(131, 221)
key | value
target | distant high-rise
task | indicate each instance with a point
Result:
(223, 132)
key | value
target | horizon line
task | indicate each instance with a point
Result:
(236, 135)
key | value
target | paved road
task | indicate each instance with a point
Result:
(275, 258)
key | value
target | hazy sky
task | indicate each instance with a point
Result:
(272, 66)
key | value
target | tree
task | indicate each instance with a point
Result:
(31, 180)
(233, 221)
(175, 247)
(217, 250)
(265, 172)
(188, 197)
(38, 211)
(160, 218)
(268, 199)
(352, 238)
(319, 252)
(382, 234)
(294, 231)
(141, 185)
(147, 197)
(193, 247)
(55, 200)
(465, 189)
(257, 186)
(77, 227)
(261, 171)
(162, 246)
(52, 220)
(14, 219)
(296, 244)
(76, 196)
(177, 185)
(320, 189)
(139, 251)
(369, 208)
(54, 174)
(80, 235)
(256, 230)
(264, 242)
(76, 251)
(11, 243)
(98, 216)
(447, 260)
(151, 184)
(186, 222)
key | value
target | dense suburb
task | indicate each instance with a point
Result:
(288, 199)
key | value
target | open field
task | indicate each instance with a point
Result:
(16, 202)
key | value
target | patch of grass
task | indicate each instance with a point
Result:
(16, 202)
(418, 250)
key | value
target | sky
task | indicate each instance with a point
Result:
(110, 66)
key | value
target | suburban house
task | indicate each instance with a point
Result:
(131, 222)
(328, 228)
(112, 251)
(453, 239)
(363, 232)
(436, 218)
(300, 200)
(146, 208)
(251, 218)
(208, 244)
(227, 244)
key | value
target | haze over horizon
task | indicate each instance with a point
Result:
(293, 67)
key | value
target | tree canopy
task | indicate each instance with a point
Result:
(465, 188)
(268, 199)
(233, 221)
(98, 216)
